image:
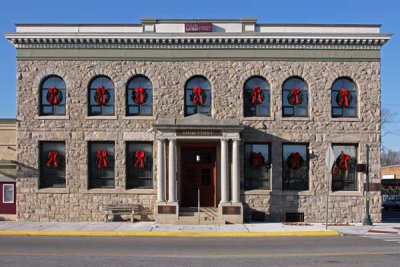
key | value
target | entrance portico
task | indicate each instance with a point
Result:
(185, 140)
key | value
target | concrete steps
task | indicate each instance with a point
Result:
(191, 216)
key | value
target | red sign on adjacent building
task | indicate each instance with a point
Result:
(198, 27)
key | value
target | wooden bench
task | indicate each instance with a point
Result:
(120, 209)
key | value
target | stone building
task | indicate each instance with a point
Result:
(230, 115)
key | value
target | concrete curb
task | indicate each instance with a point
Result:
(168, 234)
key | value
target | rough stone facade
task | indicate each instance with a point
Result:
(320, 130)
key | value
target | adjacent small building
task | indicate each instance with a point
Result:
(390, 180)
(230, 117)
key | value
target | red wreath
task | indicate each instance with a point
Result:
(53, 159)
(54, 96)
(257, 159)
(139, 155)
(295, 161)
(257, 96)
(140, 96)
(295, 96)
(102, 96)
(102, 159)
(343, 98)
(198, 96)
(343, 161)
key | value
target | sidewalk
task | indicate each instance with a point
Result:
(153, 229)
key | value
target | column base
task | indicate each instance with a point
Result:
(231, 212)
(166, 213)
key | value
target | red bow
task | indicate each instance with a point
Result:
(53, 99)
(257, 159)
(139, 155)
(295, 161)
(52, 156)
(344, 161)
(102, 157)
(197, 95)
(295, 92)
(256, 95)
(139, 95)
(101, 95)
(344, 98)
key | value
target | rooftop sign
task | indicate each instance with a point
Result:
(198, 27)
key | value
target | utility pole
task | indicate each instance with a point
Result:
(367, 220)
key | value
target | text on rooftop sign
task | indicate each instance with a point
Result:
(198, 27)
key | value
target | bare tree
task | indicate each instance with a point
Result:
(388, 156)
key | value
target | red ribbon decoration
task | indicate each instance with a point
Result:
(295, 161)
(295, 92)
(139, 95)
(53, 99)
(256, 95)
(101, 95)
(344, 161)
(344, 98)
(197, 95)
(139, 155)
(102, 157)
(52, 156)
(257, 159)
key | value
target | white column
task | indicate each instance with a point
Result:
(235, 172)
(160, 171)
(224, 171)
(172, 172)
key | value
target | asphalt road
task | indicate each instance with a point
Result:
(166, 251)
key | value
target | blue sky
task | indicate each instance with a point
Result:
(385, 12)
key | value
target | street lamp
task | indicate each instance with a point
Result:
(367, 220)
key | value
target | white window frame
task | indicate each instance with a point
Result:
(13, 193)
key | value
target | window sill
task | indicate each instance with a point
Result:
(52, 190)
(103, 191)
(296, 119)
(294, 193)
(346, 119)
(144, 191)
(139, 118)
(346, 193)
(258, 192)
(270, 118)
(62, 117)
(101, 117)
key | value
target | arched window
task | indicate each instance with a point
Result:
(101, 96)
(256, 97)
(139, 97)
(344, 98)
(53, 96)
(197, 96)
(294, 98)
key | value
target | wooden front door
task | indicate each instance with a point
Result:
(198, 169)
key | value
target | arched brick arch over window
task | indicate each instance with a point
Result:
(101, 96)
(256, 97)
(139, 96)
(198, 96)
(53, 96)
(344, 98)
(294, 98)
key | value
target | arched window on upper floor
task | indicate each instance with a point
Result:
(101, 97)
(198, 96)
(344, 98)
(139, 97)
(256, 97)
(53, 96)
(294, 98)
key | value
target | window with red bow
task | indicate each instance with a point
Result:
(53, 96)
(344, 98)
(101, 160)
(52, 164)
(139, 165)
(256, 97)
(344, 171)
(197, 96)
(101, 97)
(257, 166)
(139, 97)
(294, 98)
(295, 167)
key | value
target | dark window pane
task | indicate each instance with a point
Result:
(52, 164)
(295, 162)
(53, 102)
(101, 165)
(140, 102)
(256, 103)
(299, 101)
(103, 103)
(344, 173)
(192, 108)
(257, 166)
(338, 98)
(139, 165)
